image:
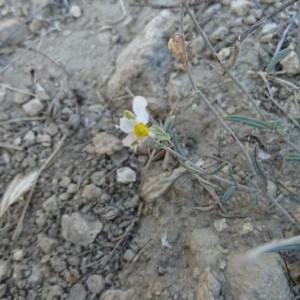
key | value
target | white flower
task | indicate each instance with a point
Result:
(135, 125)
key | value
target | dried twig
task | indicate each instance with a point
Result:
(18, 187)
(42, 168)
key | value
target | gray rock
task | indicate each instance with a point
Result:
(29, 136)
(129, 255)
(95, 283)
(98, 178)
(52, 129)
(126, 175)
(4, 270)
(79, 229)
(106, 144)
(33, 108)
(262, 278)
(72, 188)
(18, 254)
(132, 202)
(117, 295)
(65, 181)
(143, 64)
(46, 244)
(50, 205)
(36, 275)
(52, 292)
(202, 244)
(77, 292)
(91, 191)
(3, 289)
(58, 264)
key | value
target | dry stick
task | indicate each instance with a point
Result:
(285, 32)
(18, 90)
(43, 167)
(10, 146)
(246, 156)
(298, 34)
(262, 21)
(215, 55)
(263, 77)
(22, 120)
(204, 98)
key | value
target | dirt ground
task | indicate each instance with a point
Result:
(104, 222)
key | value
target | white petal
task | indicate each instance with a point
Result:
(139, 108)
(126, 125)
(129, 140)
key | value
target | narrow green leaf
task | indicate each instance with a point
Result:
(228, 194)
(231, 174)
(256, 198)
(159, 133)
(294, 156)
(176, 143)
(276, 59)
(217, 168)
(169, 124)
(193, 168)
(248, 121)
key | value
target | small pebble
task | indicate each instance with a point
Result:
(239, 7)
(18, 254)
(220, 224)
(95, 283)
(129, 255)
(33, 108)
(72, 188)
(75, 11)
(126, 175)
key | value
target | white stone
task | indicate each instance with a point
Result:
(269, 28)
(33, 108)
(290, 64)
(29, 136)
(75, 11)
(220, 224)
(224, 53)
(126, 175)
(80, 229)
(239, 7)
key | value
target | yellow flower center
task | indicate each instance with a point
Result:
(141, 130)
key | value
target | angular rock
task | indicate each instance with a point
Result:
(46, 244)
(144, 63)
(79, 229)
(4, 270)
(239, 7)
(263, 276)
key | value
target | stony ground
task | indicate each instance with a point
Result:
(104, 223)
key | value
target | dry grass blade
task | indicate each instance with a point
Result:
(18, 187)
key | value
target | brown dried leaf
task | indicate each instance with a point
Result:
(175, 45)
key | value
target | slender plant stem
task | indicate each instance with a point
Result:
(204, 98)
(225, 68)
(298, 34)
